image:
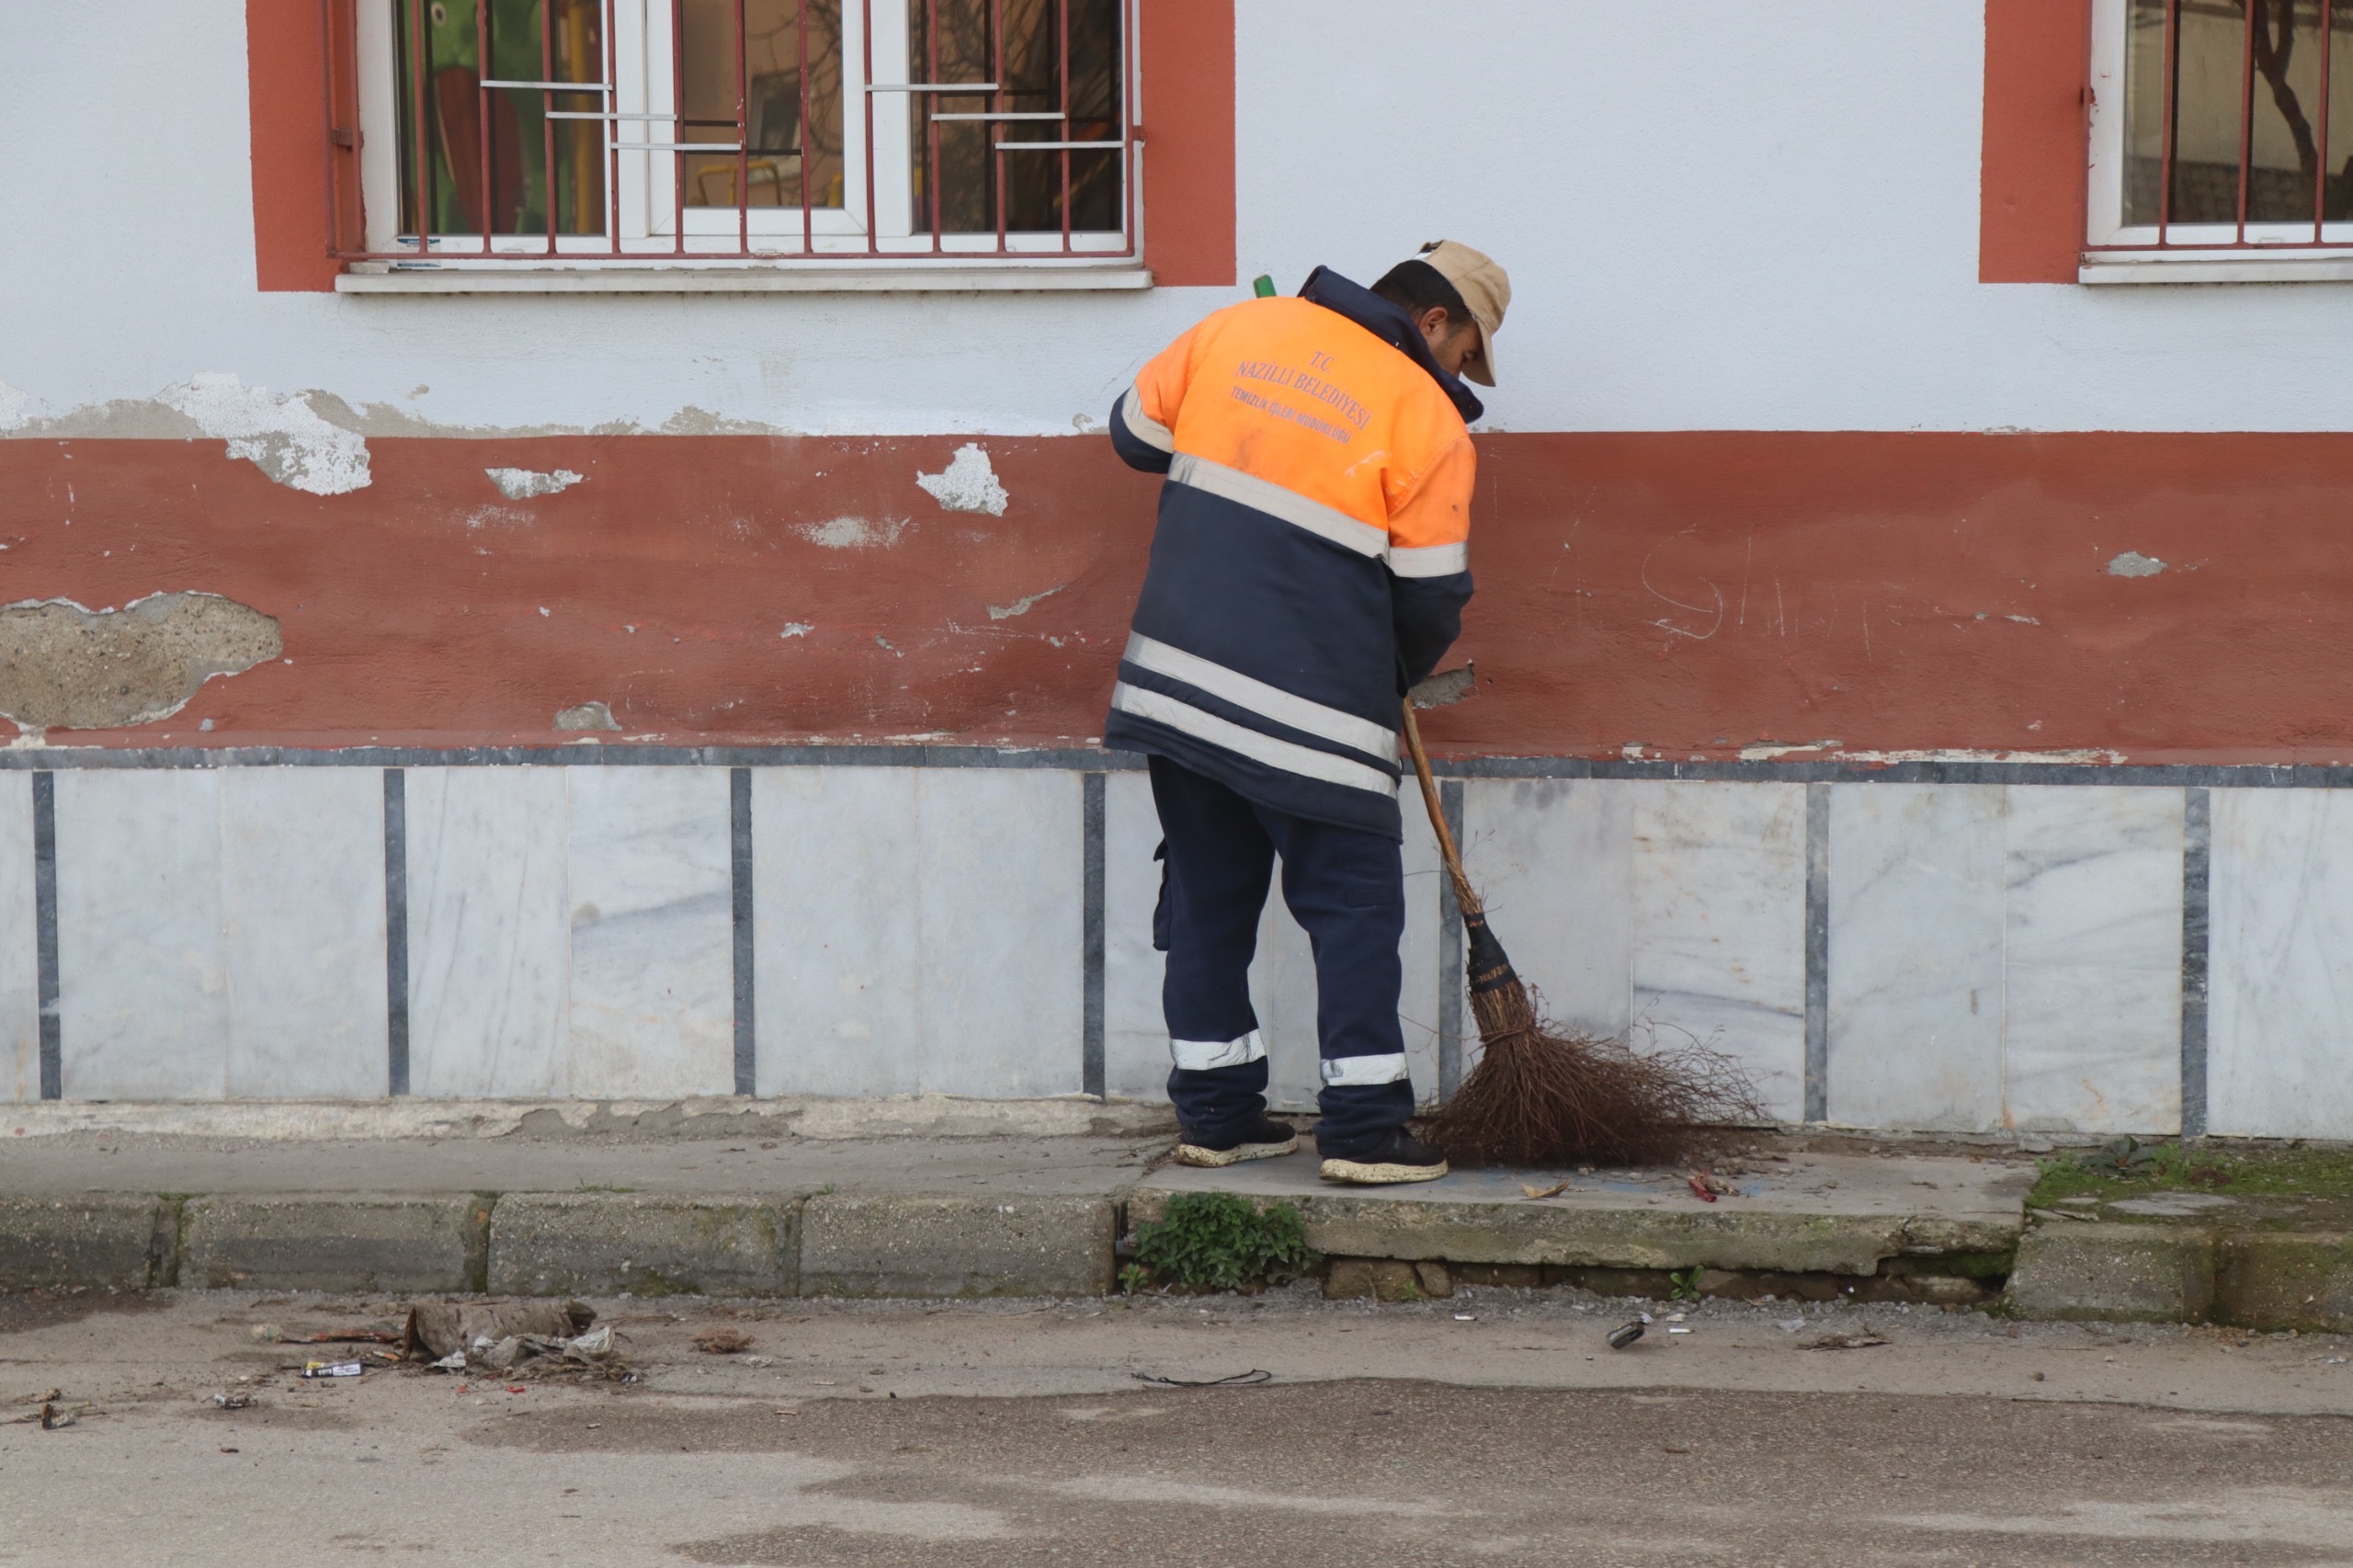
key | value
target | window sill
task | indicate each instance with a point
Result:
(377, 277)
(2214, 266)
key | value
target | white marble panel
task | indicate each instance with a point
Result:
(2279, 1041)
(1003, 904)
(488, 947)
(1719, 927)
(1418, 1000)
(650, 884)
(837, 920)
(2094, 1014)
(1553, 861)
(142, 982)
(1916, 956)
(19, 953)
(302, 899)
(1135, 1034)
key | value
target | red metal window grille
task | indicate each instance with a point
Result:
(718, 132)
(2231, 138)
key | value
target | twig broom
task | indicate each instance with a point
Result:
(1538, 1097)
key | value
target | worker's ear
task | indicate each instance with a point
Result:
(1434, 324)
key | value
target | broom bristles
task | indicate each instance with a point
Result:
(1541, 1096)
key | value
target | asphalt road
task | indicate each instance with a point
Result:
(1494, 1428)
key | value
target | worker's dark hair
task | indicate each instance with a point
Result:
(1415, 285)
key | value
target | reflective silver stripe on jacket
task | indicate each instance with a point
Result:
(1288, 756)
(1431, 560)
(1267, 701)
(1266, 496)
(1203, 1055)
(1142, 426)
(1359, 1070)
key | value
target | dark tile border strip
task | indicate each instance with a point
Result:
(1088, 759)
(746, 949)
(1094, 826)
(1817, 952)
(2196, 882)
(1449, 955)
(52, 1044)
(395, 931)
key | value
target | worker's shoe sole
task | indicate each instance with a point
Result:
(1194, 1155)
(1378, 1173)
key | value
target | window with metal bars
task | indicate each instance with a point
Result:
(716, 131)
(2220, 128)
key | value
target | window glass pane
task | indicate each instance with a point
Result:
(786, 141)
(486, 154)
(2339, 161)
(1023, 45)
(2211, 71)
(2144, 111)
(2284, 152)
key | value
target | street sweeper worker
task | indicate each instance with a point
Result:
(1310, 566)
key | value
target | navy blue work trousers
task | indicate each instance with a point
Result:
(1346, 888)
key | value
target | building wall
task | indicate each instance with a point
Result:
(1777, 495)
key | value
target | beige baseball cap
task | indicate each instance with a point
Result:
(1485, 287)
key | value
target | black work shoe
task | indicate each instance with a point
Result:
(1398, 1158)
(1261, 1138)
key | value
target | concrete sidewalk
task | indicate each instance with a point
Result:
(656, 1202)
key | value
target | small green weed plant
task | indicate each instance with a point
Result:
(1684, 1286)
(1214, 1241)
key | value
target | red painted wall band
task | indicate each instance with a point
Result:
(2030, 220)
(1688, 594)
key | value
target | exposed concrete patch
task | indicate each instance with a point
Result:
(283, 436)
(587, 716)
(797, 629)
(1445, 687)
(63, 667)
(1022, 605)
(2133, 563)
(522, 483)
(967, 484)
(854, 533)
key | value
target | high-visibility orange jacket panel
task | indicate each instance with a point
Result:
(1311, 557)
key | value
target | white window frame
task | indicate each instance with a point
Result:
(643, 209)
(2198, 253)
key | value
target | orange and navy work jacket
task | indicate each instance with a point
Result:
(1312, 558)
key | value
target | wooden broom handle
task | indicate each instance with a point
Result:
(1463, 896)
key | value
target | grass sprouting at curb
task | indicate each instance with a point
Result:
(1218, 1242)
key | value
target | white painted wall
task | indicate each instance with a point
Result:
(1717, 215)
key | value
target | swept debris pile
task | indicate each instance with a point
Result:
(545, 1339)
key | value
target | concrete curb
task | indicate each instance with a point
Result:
(119, 1241)
(2268, 1280)
(605, 1243)
(361, 1243)
(1524, 1233)
(856, 1245)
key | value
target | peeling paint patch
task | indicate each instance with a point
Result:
(1021, 606)
(13, 404)
(798, 629)
(65, 667)
(967, 484)
(522, 483)
(587, 716)
(854, 533)
(1773, 751)
(2133, 563)
(283, 436)
(1445, 687)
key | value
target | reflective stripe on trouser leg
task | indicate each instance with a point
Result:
(1358, 1071)
(1208, 1056)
